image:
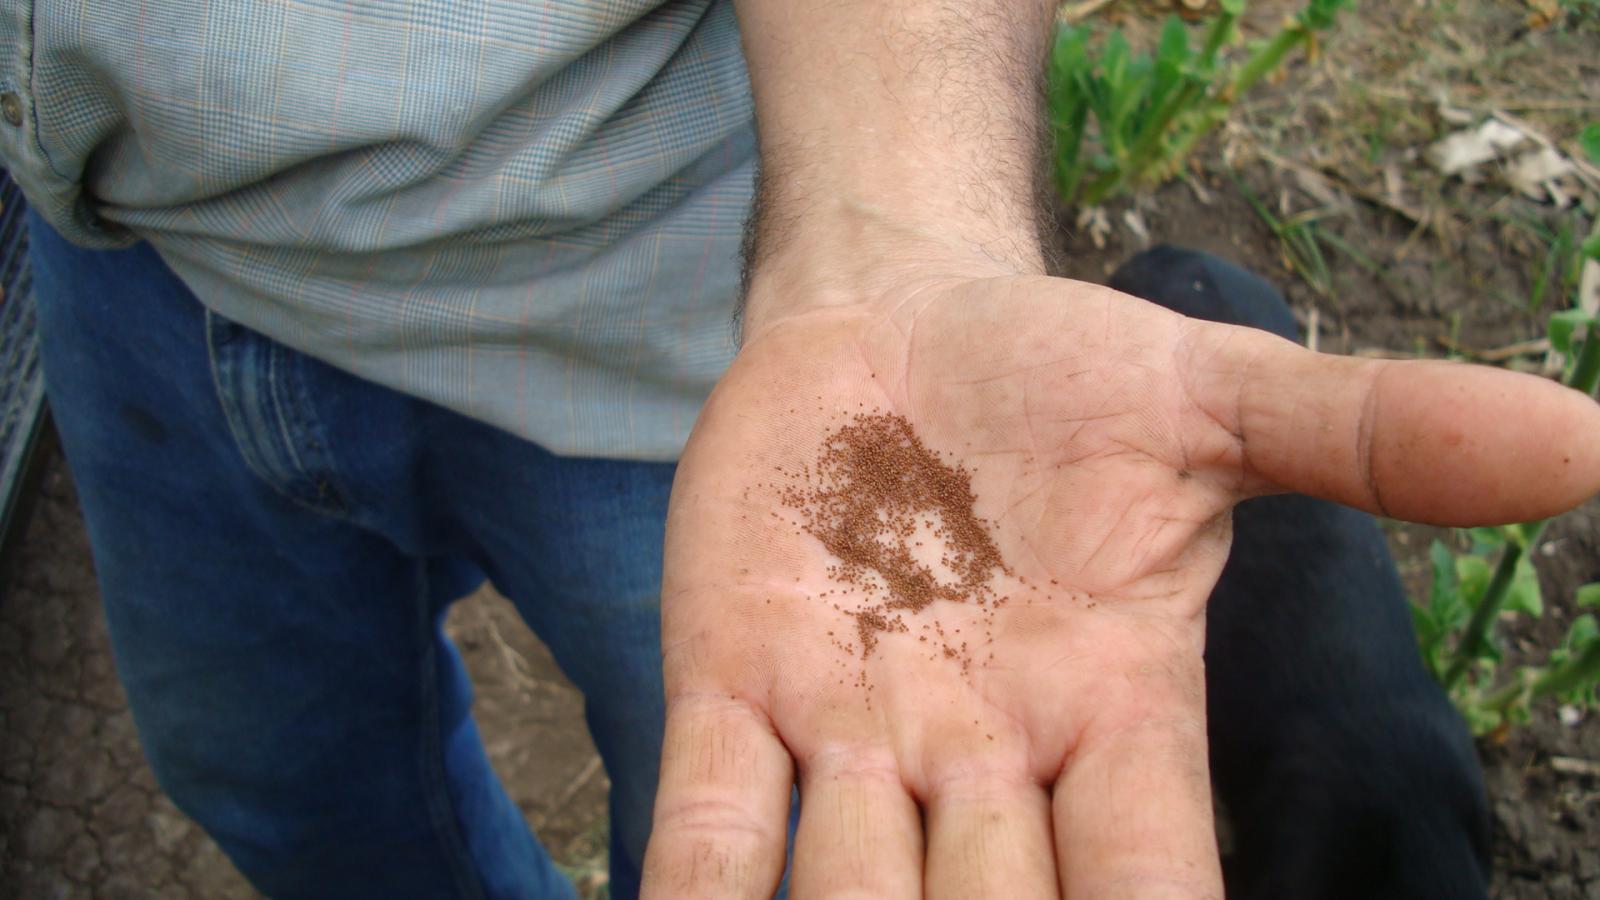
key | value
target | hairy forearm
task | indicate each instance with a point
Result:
(891, 124)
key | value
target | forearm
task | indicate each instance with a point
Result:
(886, 125)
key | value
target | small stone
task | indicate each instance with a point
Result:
(1588, 867)
(10, 642)
(82, 860)
(42, 884)
(12, 798)
(50, 643)
(47, 832)
(100, 687)
(16, 761)
(121, 740)
(128, 851)
(30, 720)
(120, 812)
(126, 886)
(77, 778)
(75, 722)
(169, 828)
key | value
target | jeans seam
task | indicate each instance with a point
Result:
(224, 383)
(332, 489)
(435, 779)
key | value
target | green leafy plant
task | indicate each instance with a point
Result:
(1581, 10)
(1455, 628)
(1120, 118)
(1589, 139)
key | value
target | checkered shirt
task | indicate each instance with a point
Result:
(525, 210)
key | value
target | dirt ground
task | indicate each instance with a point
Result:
(1416, 264)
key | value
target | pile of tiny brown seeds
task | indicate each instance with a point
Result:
(872, 483)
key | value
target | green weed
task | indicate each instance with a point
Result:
(1299, 241)
(1120, 118)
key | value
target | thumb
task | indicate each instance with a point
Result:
(1425, 441)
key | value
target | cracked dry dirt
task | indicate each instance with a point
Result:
(80, 814)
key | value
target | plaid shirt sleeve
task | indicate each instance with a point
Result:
(525, 211)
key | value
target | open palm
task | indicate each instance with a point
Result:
(1045, 737)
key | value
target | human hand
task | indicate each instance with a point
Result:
(1059, 745)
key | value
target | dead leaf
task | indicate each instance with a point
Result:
(1538, 174)
(1074, 12)
(1135, 223)
(1459, 152)
(1568, 765)
(1393, 185)
(1093, 219)
(1454, 115)
(1543, 12)
(1317, 187)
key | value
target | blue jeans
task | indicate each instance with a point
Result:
(277, 543)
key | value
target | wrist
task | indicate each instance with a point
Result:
(864, 254)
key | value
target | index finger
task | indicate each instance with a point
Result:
(721, 812)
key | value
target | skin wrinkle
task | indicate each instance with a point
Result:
(1033, 446)
(718, 817)
(1009, 451)
(947, 786)
(1099, 413)
(1147, 542)
(1181, 348)
(1071, 757)
(839, 760)
(1142, 884)
(744, 705)
(1105, 539)
(1025, 370)
(1130, 450)
(1246, 467)
(1029, 433)
(866, 363)
(1065, 660)
(940, 774)
(1366, 438)
(1021, 500)
(911, 353)
(1027, 540)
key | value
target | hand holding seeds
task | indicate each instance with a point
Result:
(941, 555)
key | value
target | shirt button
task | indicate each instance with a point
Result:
(11, 107)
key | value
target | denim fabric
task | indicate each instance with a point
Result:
(277, 543)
